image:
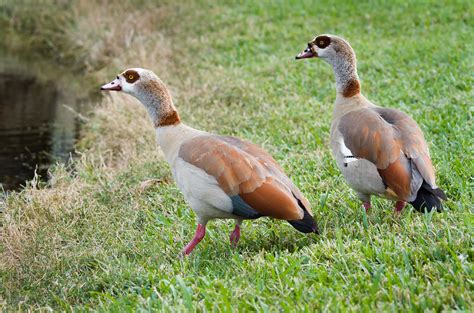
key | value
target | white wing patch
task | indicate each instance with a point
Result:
(348, 156)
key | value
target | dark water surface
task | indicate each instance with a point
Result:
(38, 126)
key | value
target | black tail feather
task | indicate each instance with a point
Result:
(439, 193)
(305, 225)
(428, 199)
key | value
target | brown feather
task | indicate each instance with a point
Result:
(388, 138)
(351, 89)
(398, 178)
(270, 200)
(244, 169)
(269, 163)
(170, 118)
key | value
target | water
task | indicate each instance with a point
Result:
(38, 126)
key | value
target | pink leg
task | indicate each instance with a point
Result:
(200, 233)
(235, 236)
(399, 206)
(367, 206)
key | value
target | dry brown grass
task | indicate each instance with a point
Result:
(117, 136)
(104, 39)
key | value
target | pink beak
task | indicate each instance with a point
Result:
(306, 54)
(113, 85)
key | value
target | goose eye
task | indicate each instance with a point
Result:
(322, 41)
(130, 77)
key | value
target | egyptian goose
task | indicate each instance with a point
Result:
(379, 151)
(219, 176)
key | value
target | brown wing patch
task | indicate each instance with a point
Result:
(412, 141)
(233, 170)
(397, 177)
(369, 137)
(388, 138)
(270, 200)
(240, 173)
(268, 162)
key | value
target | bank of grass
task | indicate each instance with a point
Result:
(95, 237)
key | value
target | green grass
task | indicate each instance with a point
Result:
(92, 239)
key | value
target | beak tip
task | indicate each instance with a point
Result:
(306, 55)
(111, 88)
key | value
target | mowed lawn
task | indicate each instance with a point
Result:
(96, 238)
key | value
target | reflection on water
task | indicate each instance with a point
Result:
(36, 128)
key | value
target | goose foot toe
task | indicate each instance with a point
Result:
(235, 236)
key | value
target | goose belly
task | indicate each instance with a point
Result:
(363, 177)
(202, 191)
(360, 174)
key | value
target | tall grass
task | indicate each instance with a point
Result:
(96, 237)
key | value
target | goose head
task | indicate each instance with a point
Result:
(332, 49)
(132, 81)
(339, 53)
(150, 91)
